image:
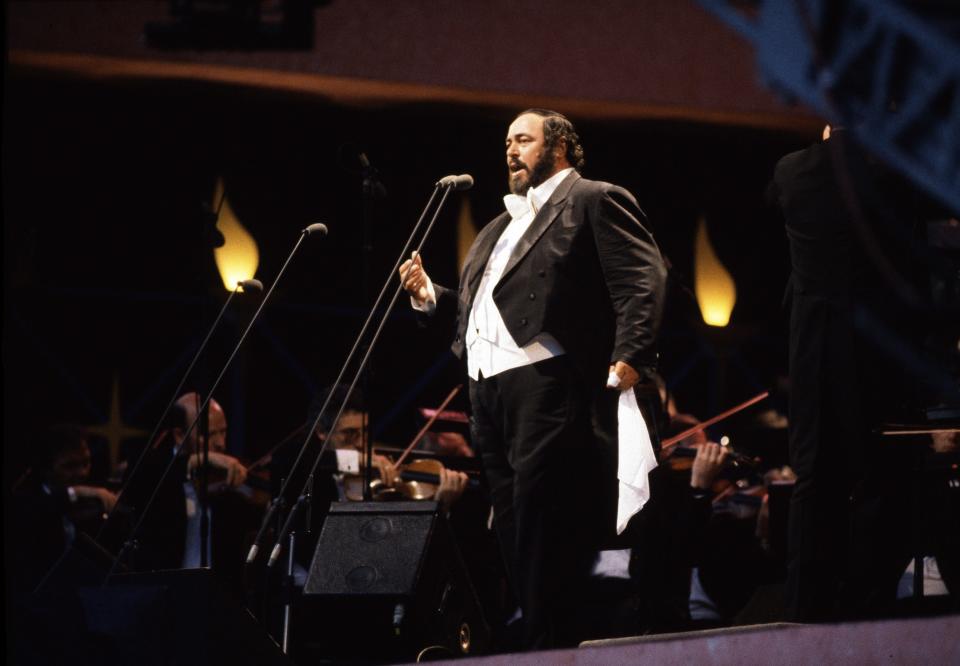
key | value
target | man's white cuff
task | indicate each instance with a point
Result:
(429, 305)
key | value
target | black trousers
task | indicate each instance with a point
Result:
(830, 387)
(533, 429)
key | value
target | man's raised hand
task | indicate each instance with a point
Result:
(416, 281)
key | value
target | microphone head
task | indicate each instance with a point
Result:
(274, 555)
(463, 182)
(250, 286)
(317, 228)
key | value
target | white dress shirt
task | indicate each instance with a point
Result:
(490, 347)
(191, 543)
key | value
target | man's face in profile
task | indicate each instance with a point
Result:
(217, 426)
(529, 163)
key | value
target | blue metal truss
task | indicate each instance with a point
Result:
(890, 74)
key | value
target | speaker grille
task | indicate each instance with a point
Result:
(370, 552)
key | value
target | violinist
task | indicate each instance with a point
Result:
(672, 531)
(237, 493)
(347, 450)
(233, 469)
(170, 535)
(46, 503)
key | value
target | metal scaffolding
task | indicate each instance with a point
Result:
(891, 74)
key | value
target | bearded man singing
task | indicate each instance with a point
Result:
(563, 288)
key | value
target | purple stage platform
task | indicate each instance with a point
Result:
(933, 641)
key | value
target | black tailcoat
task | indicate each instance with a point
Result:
(587, 271)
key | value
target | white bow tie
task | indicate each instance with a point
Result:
(519, 206)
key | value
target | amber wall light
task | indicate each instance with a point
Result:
(714, 286)
(238, 257)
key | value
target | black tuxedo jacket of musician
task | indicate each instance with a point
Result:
(588, 272)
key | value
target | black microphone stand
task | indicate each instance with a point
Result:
(203, 493)
(447, 185)
(372, 190)
(303, 503)
(130, 542)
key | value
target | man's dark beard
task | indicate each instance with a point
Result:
(540, 172)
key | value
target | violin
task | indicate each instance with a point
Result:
(416, 480)
(90, 517)
(258, 477)
(256, 487)
(680, 450)
(740, 500)
(87, 514)
(680, 458)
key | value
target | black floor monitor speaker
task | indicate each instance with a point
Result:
(388, 582)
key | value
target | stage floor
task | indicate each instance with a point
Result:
(933, 641)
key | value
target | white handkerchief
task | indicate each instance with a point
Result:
(636, 459)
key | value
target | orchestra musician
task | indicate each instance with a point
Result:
(169, 537)
(341, 471)
(46, 503)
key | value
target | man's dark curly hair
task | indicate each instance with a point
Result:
(557, 127)
(355, 403)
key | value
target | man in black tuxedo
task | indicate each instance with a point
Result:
(557, 292)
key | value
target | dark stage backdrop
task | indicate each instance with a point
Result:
(110, 284)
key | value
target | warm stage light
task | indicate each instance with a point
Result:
(238, 257)
(716, 292)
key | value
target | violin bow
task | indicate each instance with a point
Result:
(426, 427)
(268, 456)
(716, 419)
(918, 431)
